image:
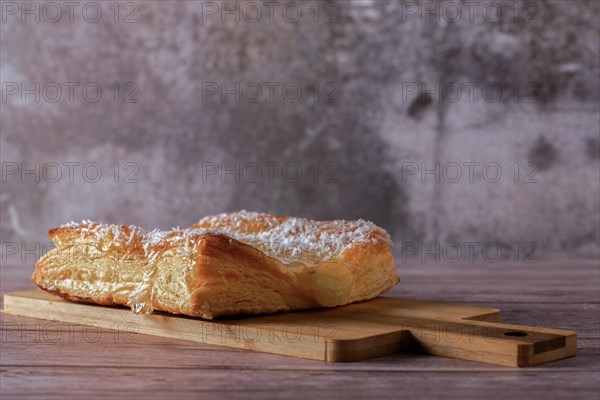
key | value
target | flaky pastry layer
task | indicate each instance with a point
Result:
(228, 264)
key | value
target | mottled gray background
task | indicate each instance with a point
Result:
(365, 133)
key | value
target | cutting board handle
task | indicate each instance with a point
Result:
(490, 342)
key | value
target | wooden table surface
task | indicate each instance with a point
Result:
(59, 360)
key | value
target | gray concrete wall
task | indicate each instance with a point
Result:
(442, 122)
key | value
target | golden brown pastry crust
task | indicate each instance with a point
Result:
(238, 263)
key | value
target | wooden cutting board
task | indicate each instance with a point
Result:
(351, 333)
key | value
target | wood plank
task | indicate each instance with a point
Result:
(150, 383)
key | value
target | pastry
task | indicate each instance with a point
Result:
(228, 264)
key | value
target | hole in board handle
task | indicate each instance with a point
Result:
(515, 333)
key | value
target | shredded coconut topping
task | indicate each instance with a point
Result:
(296, 240)
(290, 240)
